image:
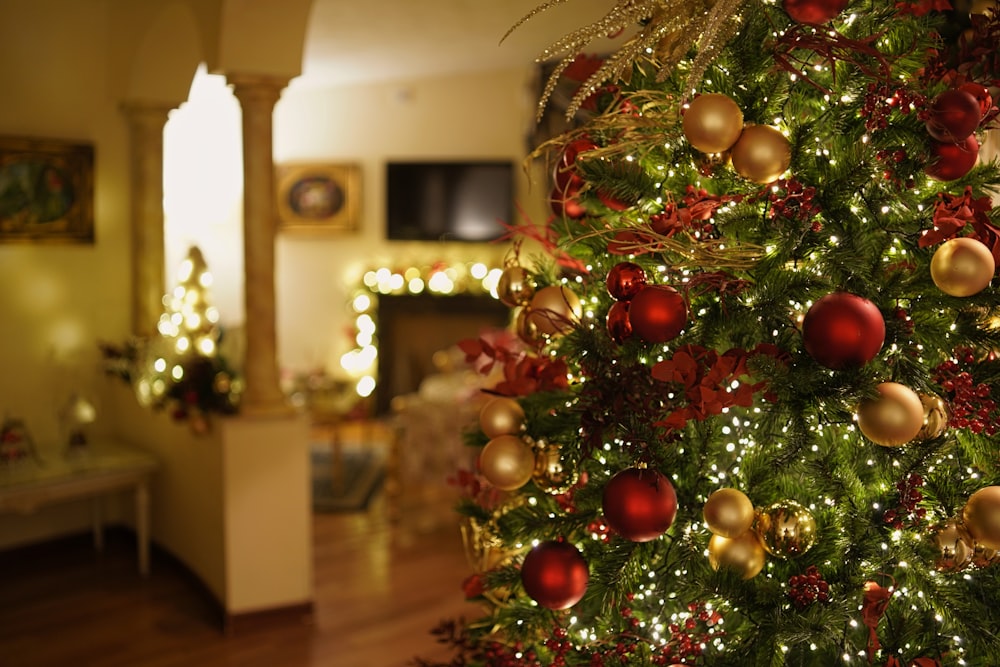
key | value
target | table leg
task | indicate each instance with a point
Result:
(142, 526)
(98, 525)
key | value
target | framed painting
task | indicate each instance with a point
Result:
(46, 191)
(318, 197)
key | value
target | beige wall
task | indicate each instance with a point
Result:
(470, 116)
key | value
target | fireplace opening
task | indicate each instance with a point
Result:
(412, 328)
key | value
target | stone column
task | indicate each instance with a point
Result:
(146, 122)
(257, 96)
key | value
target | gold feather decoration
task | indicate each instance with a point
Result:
(667, 30)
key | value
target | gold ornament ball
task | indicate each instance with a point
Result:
(515, 287)
(936, 416)
(954, 546)
(983, 557)
(712, 123)
(962, 267)
(894, 418)
(554, 310)
(525, 328)
(501, 416)
(985, 7)
(728, 512)
(786, 529)
(507, 462)
(762, 154)
(550, 474)
(743, 554)
(982, 517)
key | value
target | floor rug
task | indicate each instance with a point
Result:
(362, 473)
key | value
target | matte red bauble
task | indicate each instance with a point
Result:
(814, 11)
(843, 330)
(657, 313)
(555, 575)
(625, 280)
(953, 116)
(949, 162)
(639, 504)
(619, 327)
(565, 204)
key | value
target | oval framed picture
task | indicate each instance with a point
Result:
(318, 197)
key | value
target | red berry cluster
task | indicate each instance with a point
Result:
(972, 405)
(907, 510)
(892, 161)
(881, 100)
(804, 589)
(794, 201)
(689, 638)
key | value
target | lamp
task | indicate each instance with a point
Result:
(77, 414)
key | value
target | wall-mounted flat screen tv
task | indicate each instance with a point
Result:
(448, 200)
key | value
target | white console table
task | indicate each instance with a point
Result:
(97, 470)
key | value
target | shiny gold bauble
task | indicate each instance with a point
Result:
(744, 554)
(962, 266)
(516, 286)
(982, 556)
(551, 475)
(982, 517)
(525, 328)
(507, 462)
(501, 416)
(786, 529)
(761, 154)
(985, 7)
(554, 310)
(728, 512)
(894, 418)
(936, 416)
(954, 546)
(712, 123)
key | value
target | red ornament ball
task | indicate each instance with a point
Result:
(639, 504)
(952, 161)
(555, 574)
(843, 330)
(625, 280)
(657, 313)
(564, 202)
(953, 116)
(619, 327)
(814, 11)
(982, 95)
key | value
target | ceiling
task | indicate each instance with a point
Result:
(350, 41)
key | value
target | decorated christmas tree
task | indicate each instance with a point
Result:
(180, 368)
(751, 417)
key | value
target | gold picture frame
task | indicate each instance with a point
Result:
(46, 191)
(318, 197)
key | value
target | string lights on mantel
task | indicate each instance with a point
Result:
(439, 279)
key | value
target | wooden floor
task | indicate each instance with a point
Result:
(380, 587)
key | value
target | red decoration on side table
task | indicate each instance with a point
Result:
(657, 313)
(639, 504)
(843, 330)
(555, 574)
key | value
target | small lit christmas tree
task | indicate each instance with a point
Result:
(181, 368)
(756, 421)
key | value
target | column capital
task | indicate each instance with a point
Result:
(257, 87)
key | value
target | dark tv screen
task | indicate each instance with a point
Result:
(448, 201)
